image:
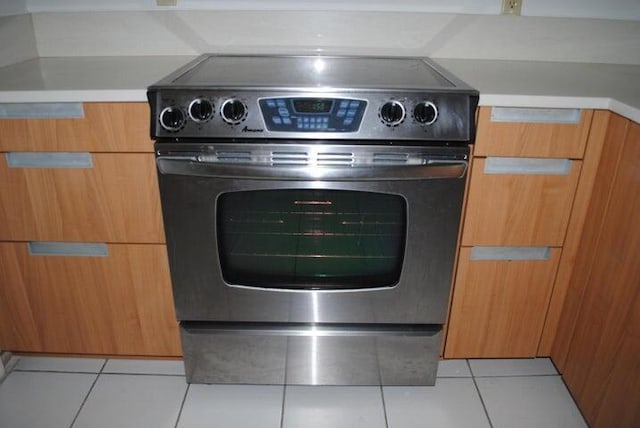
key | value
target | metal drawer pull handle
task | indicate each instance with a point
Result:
(527, 166)
(41, 111)
(510, 253)
(67, 249)
(536, 115)
(49, 160)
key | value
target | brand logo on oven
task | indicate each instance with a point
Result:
(247, 129)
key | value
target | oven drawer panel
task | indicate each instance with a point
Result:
(520, 203)
(92, 127)
(106, 197)
(301, 356)
(557, 133)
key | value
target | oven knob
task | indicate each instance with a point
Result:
(392, 113)
(200, 110)
(233, 111)
(425, 112)
(172, 118)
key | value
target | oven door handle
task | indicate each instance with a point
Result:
(432, 169)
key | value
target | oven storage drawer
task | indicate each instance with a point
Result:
(288, 354)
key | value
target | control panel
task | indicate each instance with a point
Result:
(213, 113)
(312, 114)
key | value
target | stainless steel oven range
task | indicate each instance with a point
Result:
(311, 207)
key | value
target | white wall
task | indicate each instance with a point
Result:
(450, 6)
(17, 39)
(371, 33)
(608, 9)
(12, 7)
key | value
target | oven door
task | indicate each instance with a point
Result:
(317, 234)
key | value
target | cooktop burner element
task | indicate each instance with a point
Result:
(312, 97)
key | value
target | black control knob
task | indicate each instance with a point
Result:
(392, 113)
(233, 111)
(200, 110)
(172, 119)
(425, 112)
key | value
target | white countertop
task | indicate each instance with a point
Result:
(501, 83)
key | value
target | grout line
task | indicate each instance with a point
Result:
(520, 375)
(55, 371)
(143, 374)
(284, 394)
(384, 408)
(75, 418)
(486, 412)
(184, 400)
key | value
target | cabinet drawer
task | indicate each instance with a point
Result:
(118, 303)
(559, 133)
(105, 127)
(116, 199)
(499, 304)
(514, 208)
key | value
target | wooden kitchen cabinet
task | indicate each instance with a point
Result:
(503, 134)
(116, 304)
(83, 182)
(114, 200)
(597, 346)
(526, 172)
(105, 127)
(500, 306)
(518, 209)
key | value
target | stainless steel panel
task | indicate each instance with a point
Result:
(419, 297)
(311, 355)
(453, 122)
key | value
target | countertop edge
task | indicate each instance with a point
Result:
(486, 99)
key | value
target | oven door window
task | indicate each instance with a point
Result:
(311, 239)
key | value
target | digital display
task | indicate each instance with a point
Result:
(315, 105)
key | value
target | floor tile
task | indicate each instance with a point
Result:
(133, 401)
(333, 406)
(453, 368)
(59, 364)
(450, 403)
(513, 367)
(163, 367)
(523, 402)
(237, 406)
(47, 400)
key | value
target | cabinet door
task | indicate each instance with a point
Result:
(602, 363)
(519, 209)
(105, 127)
(115, 199)
(499, 303)
(521, 132)
(120, 303)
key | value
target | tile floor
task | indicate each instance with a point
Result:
(95, 393)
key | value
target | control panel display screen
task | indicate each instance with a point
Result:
(312, 105)
(293, 114)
